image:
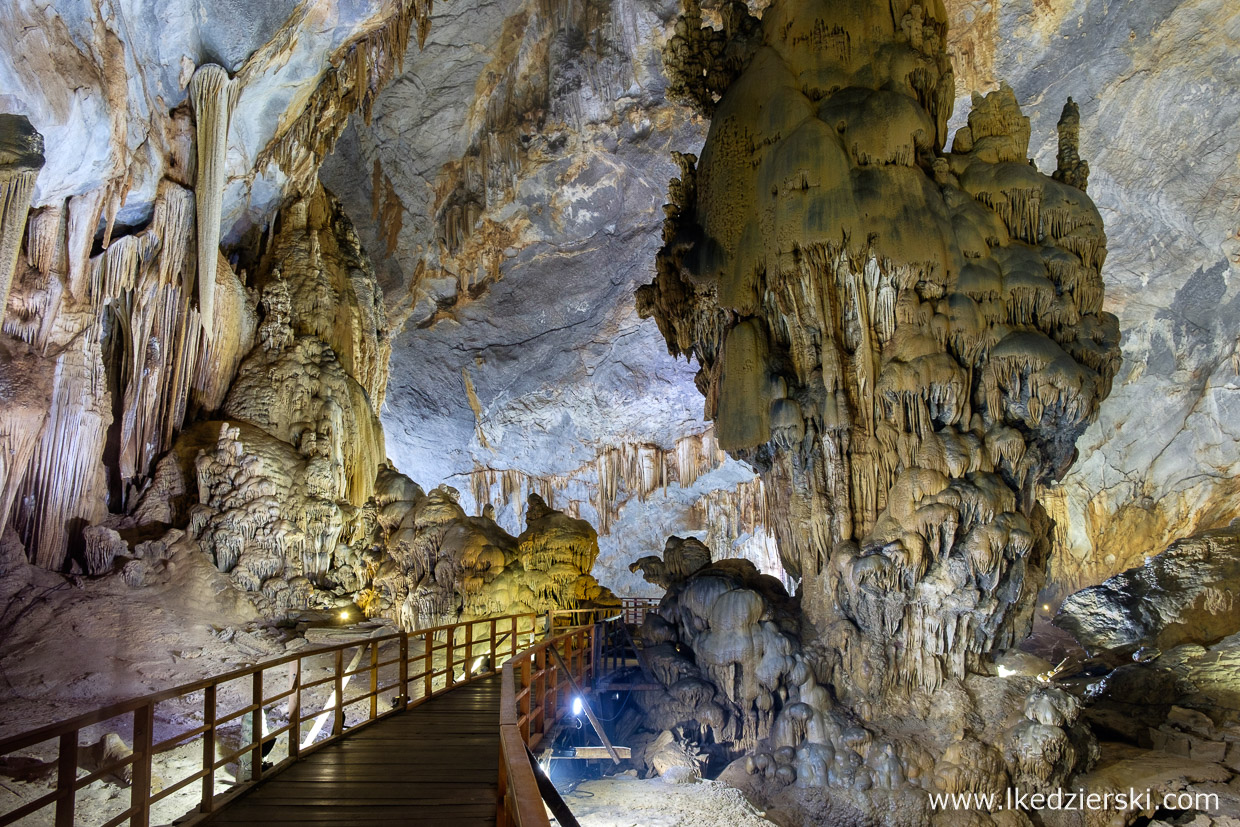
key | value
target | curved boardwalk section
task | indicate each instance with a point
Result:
(435, 765)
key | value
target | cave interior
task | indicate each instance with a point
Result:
(872, 367)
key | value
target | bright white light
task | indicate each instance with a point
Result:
(1004, 672)
(576, 706)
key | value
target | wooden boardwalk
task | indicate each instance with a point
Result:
(432, 766)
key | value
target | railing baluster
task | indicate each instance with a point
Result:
(374, 680)
(256, 726)
(294, 714)
(595, 645)
(468, 671)
(404, 669)
(66, 778)
(541, 683)
(449, 678)
(208, 749)
(527, 706)
(429, 659)
(140, 788)
(338, 719)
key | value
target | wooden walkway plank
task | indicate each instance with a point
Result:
(436, 764)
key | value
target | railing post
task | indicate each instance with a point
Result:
(512, 638)
(338, 718)
(429, 658)
(208, 749)
(294, 713)
(404, 668)
(140, 788)
(467, 672)
(596, 645)
(374, 680)
(66, 779)
(527, 705)
(501, 814)
(256, 726)
(540, 682)
(491, 653)
(449, 653)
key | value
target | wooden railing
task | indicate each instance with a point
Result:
(560, 621)
(632, 610)
(534, 693)
(234, 731)
(635, 609)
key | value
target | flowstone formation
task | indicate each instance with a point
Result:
(432, 564)
(288, 491)
(906, 342)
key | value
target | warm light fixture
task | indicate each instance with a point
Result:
(344, 615)
(1046, 607)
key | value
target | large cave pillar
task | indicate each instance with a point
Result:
(904, 341)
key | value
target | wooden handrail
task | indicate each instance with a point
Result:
(532, 700)
(493, 639)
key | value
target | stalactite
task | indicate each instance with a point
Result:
(357, 71)
(85, 212)
(213, 95)
(618, 473)
(25, 389)
(63, 487)
(21, 158)
(36, 295)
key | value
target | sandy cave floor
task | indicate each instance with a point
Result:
(626, 801)
(115, 642)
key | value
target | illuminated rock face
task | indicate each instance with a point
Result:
(432, 564)
(283, 490)
(905, 341)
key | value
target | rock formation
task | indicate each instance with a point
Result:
(1162, 642)
(1186, 594)
(295, 500)
(213, 96)
(21, 158)
(905, 341)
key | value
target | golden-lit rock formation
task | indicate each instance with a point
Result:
(433, 564)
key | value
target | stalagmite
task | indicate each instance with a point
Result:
(1071, 169)
(213, 95)
(21, 158)
(906, 342)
